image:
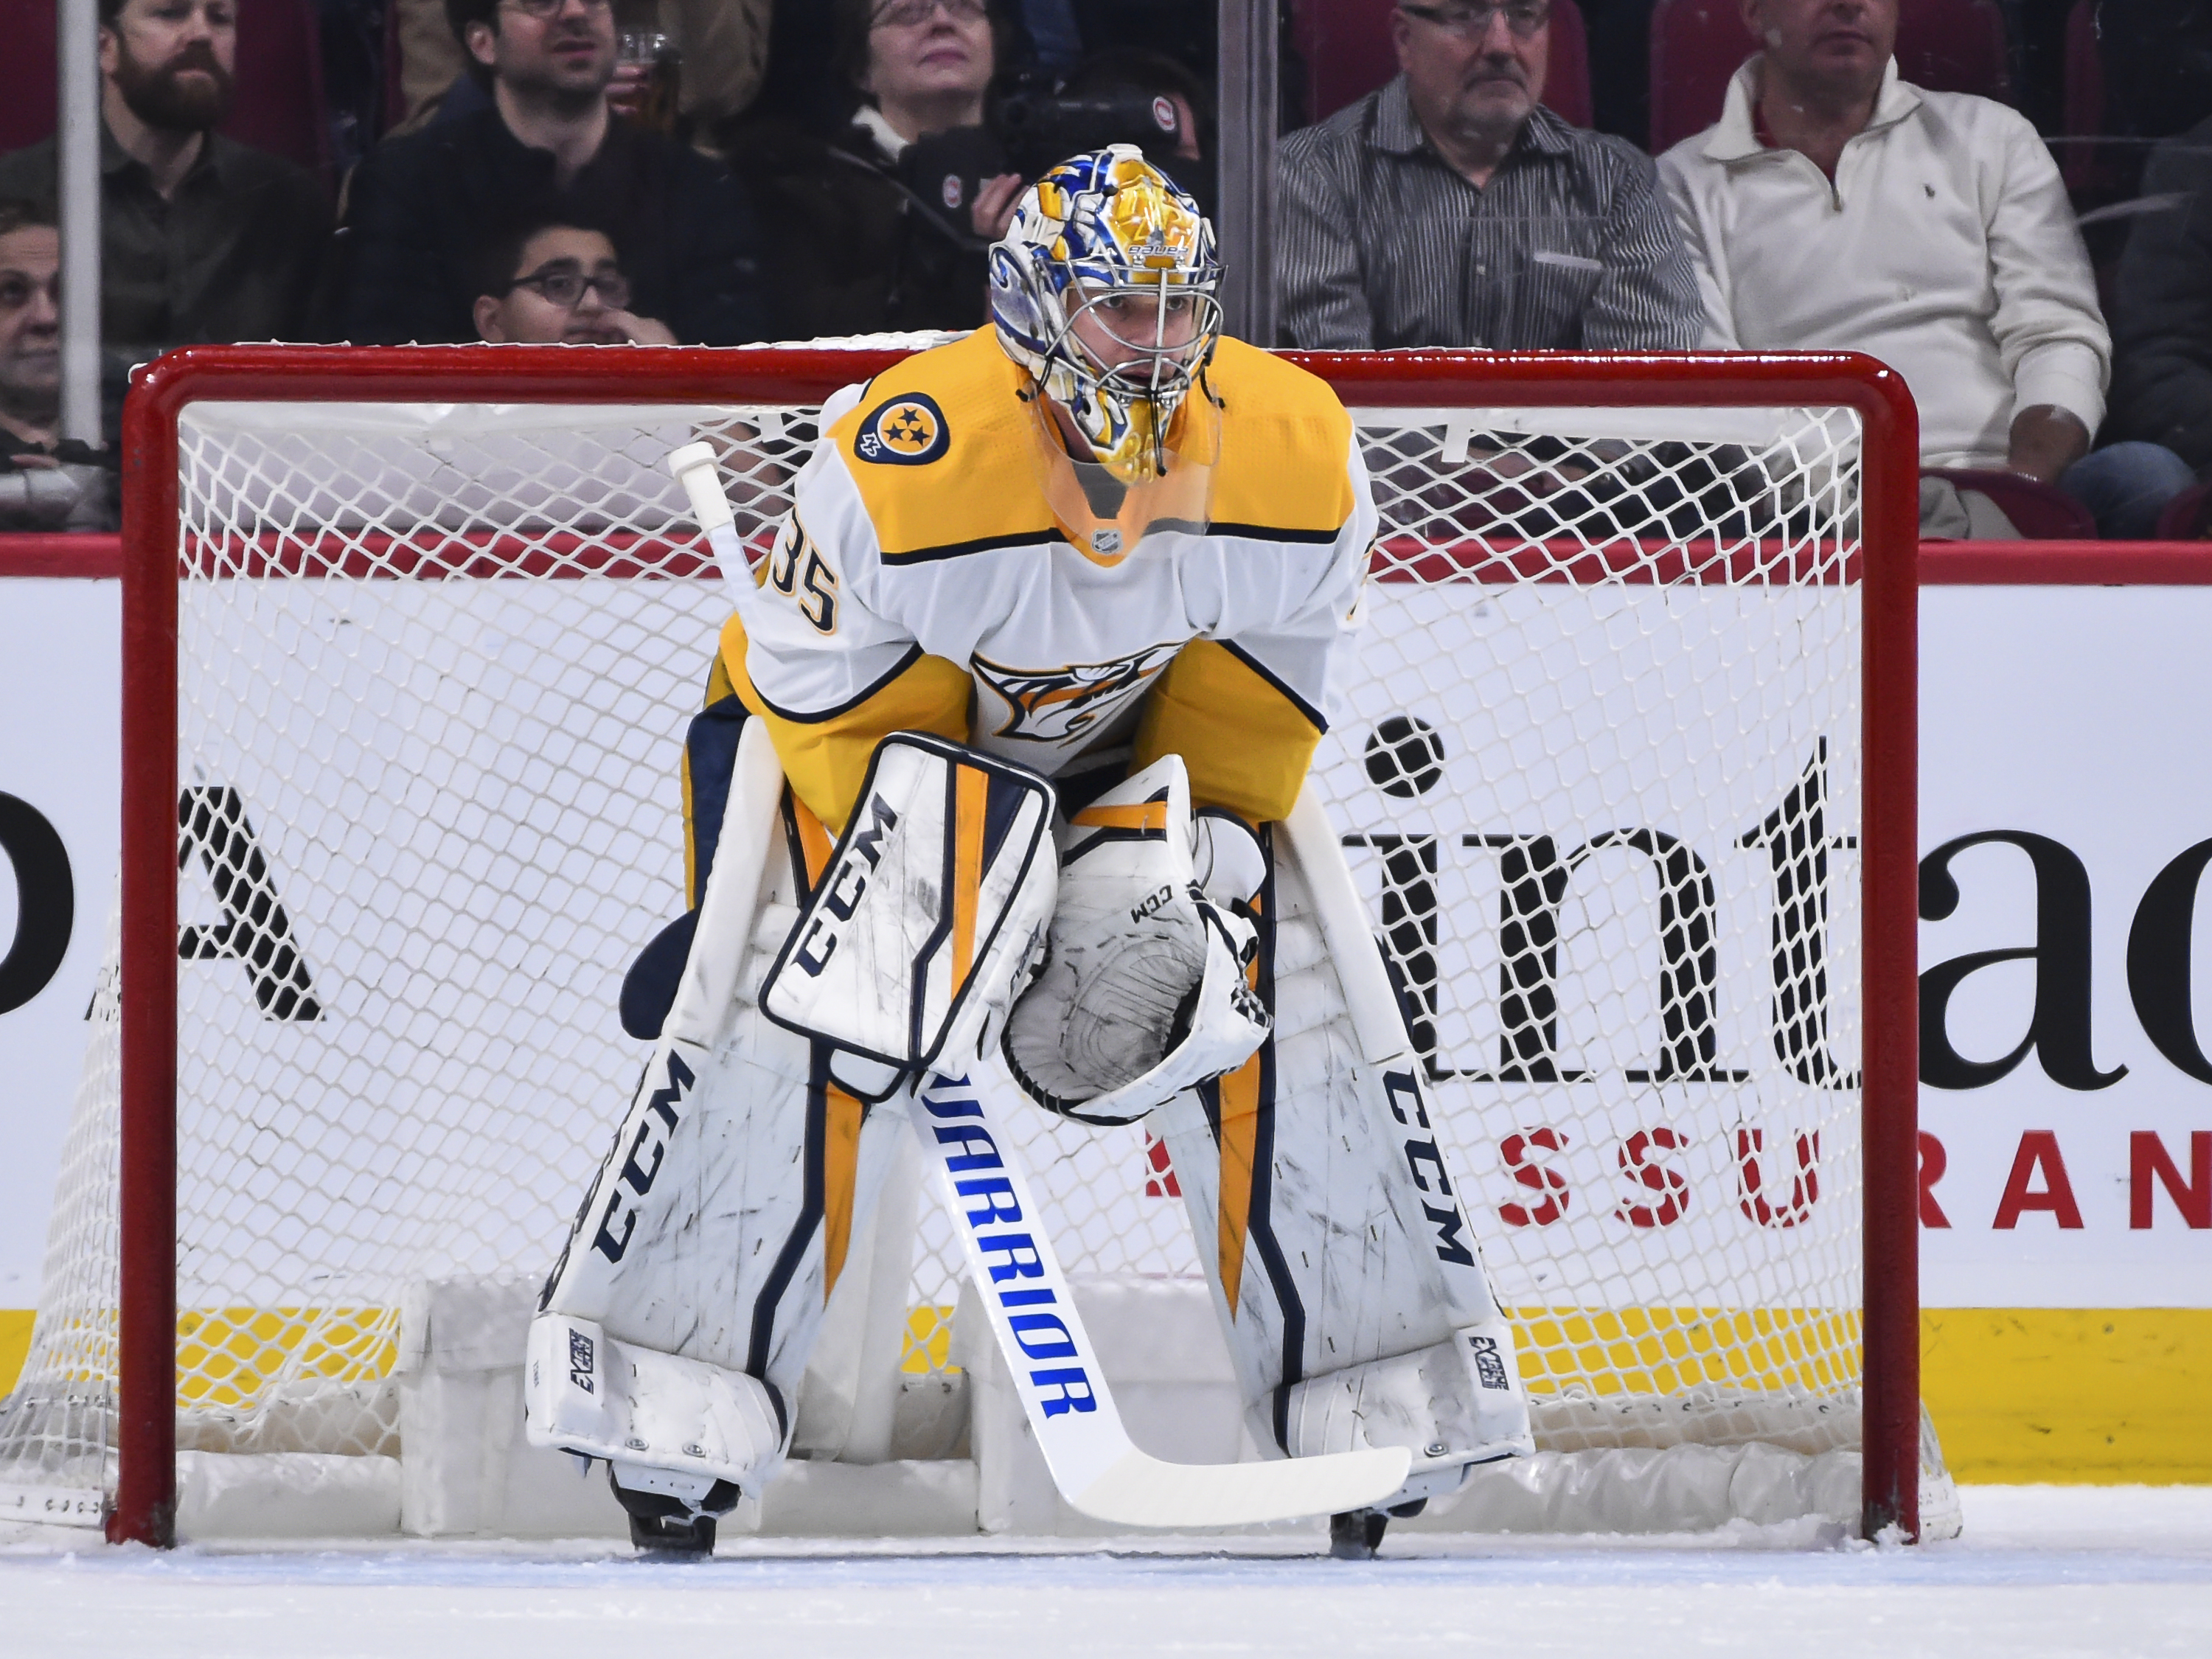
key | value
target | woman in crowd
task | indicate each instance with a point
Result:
(864, 242)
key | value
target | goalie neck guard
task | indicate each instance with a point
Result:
(1104, 289)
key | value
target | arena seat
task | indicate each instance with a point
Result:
(1347, 52)
(1697, 45)
(2188, 516)
(279, 106)
(2040, 511)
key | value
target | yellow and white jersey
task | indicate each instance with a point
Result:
(945, 570)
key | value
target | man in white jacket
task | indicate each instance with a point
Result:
(1834, 206)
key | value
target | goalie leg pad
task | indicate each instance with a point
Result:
(1451, 1406)
(714, 1228)
(1329, 1223)
(632, 1405)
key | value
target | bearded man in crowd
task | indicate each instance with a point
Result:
(201, 238)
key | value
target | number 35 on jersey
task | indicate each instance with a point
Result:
(796, 570)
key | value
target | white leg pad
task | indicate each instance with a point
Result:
(1450, 1406)
(586, 1392)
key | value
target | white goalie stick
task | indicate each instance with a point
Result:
(1098, 1469)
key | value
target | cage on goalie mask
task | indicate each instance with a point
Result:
(1108, 245)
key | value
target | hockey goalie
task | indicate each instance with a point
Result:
(1000, 792)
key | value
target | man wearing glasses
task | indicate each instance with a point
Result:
(550, 149)
(1451, 209)
(559, 285)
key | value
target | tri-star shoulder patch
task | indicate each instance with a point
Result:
(908, 430)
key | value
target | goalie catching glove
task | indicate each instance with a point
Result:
(1144, 990)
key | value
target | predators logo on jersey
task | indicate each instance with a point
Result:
(907, 431)
(1053, 705)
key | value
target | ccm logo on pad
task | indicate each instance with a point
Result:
(847, 882)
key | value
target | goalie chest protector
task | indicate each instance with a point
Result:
(924, 528)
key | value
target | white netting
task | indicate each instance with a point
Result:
(1598, 763)
(56, 1427)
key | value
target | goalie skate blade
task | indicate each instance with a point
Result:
(1055, 1369)
(1141, 1491)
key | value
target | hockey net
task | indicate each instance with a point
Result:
(1601, 764)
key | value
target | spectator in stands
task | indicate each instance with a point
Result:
(558, 285)
(1450, 208)
(549, 148)
(1122, 71)
(45, 485)
(1836, 206)
(30, 335)
(869, 235)
(201, 238)
(724, 44)
(2162, 311)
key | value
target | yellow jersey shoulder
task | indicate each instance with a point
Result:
(939, 448)
(1284, 470)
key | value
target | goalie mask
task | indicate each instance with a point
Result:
(1103, 290)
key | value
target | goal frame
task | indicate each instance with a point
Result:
(146, 1439)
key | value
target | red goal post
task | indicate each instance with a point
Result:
(1882, 567)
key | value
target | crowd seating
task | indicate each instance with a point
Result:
(2040, 511)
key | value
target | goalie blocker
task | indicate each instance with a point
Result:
(697, 1270)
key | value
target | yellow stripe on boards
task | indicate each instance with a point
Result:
(1609, 1350)
(929, 1340)
(2077, 1396)
(228, 1356)
(15, 1344)
(2065, 1395)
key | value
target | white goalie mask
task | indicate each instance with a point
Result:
(1104, 288)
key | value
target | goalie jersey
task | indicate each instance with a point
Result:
(946, 569)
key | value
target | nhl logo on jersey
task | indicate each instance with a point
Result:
(1105, 542)
(907, 431)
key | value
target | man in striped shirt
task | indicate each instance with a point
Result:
(1449, 209)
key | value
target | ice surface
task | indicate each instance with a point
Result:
(2041, 1570)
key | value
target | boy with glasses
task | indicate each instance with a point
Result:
(559, 284)
(550, 149)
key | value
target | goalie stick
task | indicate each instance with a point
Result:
(1098, 1469)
